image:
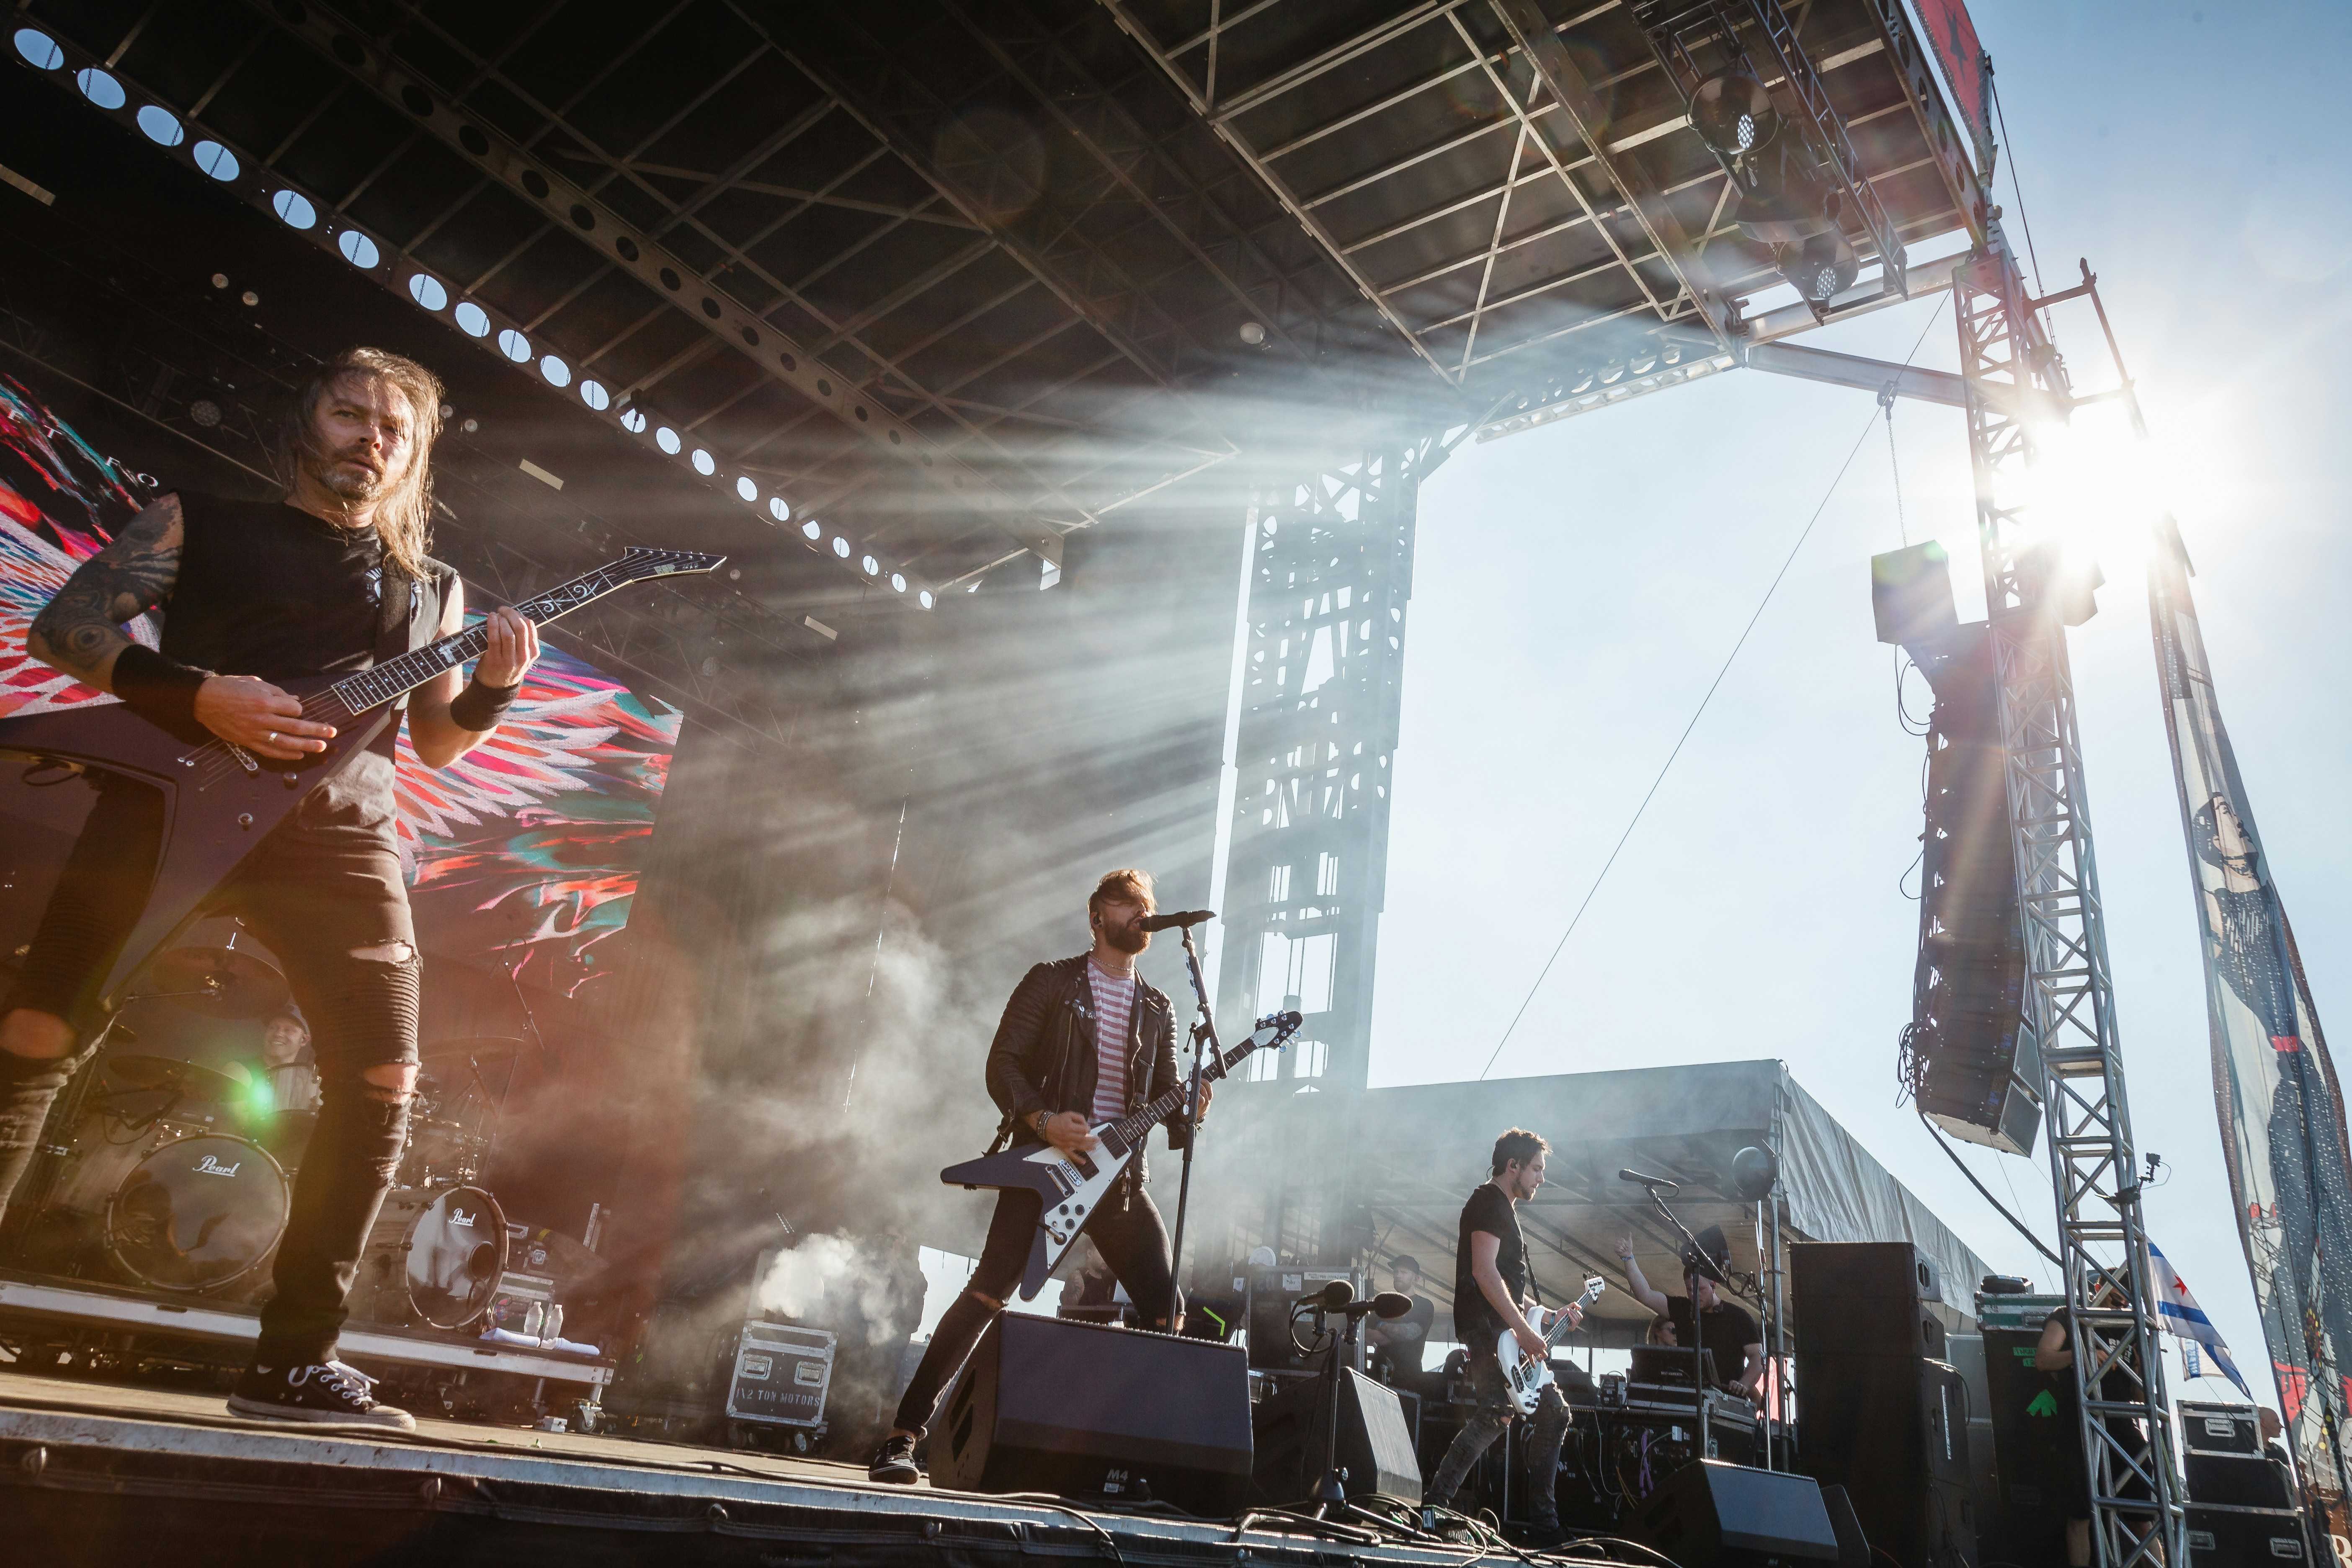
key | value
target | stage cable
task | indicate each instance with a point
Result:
(1770, 588)
(1954, 1155)
(2015, 188)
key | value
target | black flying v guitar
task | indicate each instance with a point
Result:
(1070, 1187)
(220, 800)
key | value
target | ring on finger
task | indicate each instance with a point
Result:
(273, 737)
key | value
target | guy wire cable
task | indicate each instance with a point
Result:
(1807, 532)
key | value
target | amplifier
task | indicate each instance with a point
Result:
(781, 1374)
(1374, 1453)
(1081, 1410)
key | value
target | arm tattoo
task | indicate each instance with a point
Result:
(80, 630)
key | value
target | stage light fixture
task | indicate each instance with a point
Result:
(594, 394)
(667, 439)
(358, 249)
(427, 291)
(473, 320)
(514, 345)
(704, 463)
(160, 126)
(924, 598)
(1253, 334)
(215, 160)
(841, 547)
(99, 88)
(747, 489)
(870, 565)
(898, 581)
(1821, 268)
(780, 509)
(811, 530)
(1733, 114)
(633, 420)
(294, 209)
(39, 49)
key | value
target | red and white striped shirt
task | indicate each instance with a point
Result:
(1114, 1007)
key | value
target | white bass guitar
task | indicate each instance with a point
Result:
(1525, 1377)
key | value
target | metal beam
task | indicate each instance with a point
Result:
(1557, 70)
(1863, 374)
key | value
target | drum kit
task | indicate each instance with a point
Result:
(178, 1177)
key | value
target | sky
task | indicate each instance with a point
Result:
(1578, 587)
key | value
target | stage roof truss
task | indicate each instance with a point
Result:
(1514, 184)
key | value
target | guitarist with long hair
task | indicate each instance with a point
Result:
(1083, 1041)
(332, 577)
(1492, 1297)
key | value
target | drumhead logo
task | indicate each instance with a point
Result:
(209, 1166)
(459, 1216)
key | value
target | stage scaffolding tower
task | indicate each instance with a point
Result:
(2015, 379)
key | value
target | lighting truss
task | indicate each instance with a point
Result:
(2013, 379)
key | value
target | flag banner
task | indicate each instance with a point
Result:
(2274, 1089)
(2176, 1312)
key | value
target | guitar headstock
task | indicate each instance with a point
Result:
(640, 562)
(1594, 1286)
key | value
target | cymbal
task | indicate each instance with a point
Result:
(483, 1049)
(222, 982)
(170, 1072)
(568, 1261)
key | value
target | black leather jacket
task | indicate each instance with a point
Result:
(1044, 1057)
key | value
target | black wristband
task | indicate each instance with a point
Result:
(160, 690)
(480, 707)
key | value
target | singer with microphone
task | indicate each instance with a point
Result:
(1083, 1040)
(1492, 1296)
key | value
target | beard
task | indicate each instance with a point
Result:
(352, 484)
(1126, 939)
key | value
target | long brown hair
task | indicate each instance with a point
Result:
(404, 516)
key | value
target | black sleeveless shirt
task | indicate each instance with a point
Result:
(267, 589)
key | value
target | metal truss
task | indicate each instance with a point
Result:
(1323, 682)
(2013, 380)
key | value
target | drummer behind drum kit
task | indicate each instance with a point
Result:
(178, 1178)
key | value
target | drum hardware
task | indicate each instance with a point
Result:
(219, 982)
(186, 1079)
(434, 1258)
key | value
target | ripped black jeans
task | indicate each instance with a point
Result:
(322, 890)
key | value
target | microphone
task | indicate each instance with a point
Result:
(1337, 1294)
(1181, 917)
(1636, 1176)
(1391, 1304)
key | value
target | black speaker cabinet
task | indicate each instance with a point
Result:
(1866, 1297)
(1709, 1514)
(1375, 1445)
(1084, 1411)
(1853, 1547)
(1271, 1293)
(2237, 1481)
(1893, 1431)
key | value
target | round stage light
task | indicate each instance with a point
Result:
(871, 565)
(358, 249)
(514, 345)
(747, 489)
(924, 598)
(1253, 334)
(841, 547)
(99, 88)
(633, 420)
(473, 320)
(427, 291)
(295, 208)
(780, 509)
(161, 129)
(813, 529)
(39, 49)
(898, 582)
(1733, 114)
(704, 464)
(215, 160)
(557, 373)
(594, 394)
(667, 439)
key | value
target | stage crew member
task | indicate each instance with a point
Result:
(1491, 1296)
(1083, 1040)
(324, 580)
(1401, 1341)
(1727, 1328)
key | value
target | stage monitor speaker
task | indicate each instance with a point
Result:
(1088, 1412)
(1375, 1447)
(1864, 1298)
(1853, 1547)
(2229, 1538)
(1709, 1514)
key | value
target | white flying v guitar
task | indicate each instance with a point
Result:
(1071, 1187)
(1526, 1376)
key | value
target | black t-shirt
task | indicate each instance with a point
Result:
(268, 590)
(1405, 1351)
(1729, 1331)
(1474, 1322)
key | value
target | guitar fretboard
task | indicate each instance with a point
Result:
(1131, 1131)
(372, 688)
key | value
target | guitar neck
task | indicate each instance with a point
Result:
(391, 678)
(1138, 1127)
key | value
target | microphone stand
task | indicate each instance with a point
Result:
(1698, 1324)
(1204, 1034)
(1331, 1491)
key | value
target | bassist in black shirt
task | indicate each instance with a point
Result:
(331, 578)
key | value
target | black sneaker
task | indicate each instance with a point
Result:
(323, 1391)
(894, 1462)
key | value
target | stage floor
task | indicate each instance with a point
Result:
(116, 1474)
